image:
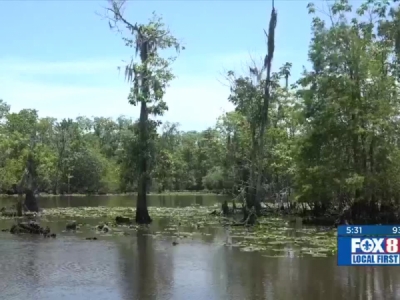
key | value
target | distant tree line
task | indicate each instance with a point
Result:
(330, 140)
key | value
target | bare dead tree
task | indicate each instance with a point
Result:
(267, 99)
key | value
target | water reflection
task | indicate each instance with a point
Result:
(147, 267)
(143, 267)
(31, 267)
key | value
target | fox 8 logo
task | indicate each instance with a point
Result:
(375, 245)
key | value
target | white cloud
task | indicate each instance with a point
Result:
(92, 87)
(91, 66)
(194, 101)
(65, 100)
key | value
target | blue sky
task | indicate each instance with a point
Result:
(61, 58)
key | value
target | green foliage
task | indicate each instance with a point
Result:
(214, 180)
(332, 138)
(350, 106)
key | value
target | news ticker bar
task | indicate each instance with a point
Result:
(378, 251)
(362, 230)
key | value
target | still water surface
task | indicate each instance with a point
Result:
(144, 267)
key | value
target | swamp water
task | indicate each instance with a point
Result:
(276, 260)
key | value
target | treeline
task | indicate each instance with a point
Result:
(97, 155)
(332, 138)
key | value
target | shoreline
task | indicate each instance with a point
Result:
(306, 218)
(182, 193)
(195, 211)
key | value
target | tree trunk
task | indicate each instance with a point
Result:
(142, 213)
(19, 207)
(251, 187)
(31, 201)
(29, 184)
(265, 106)
(55, 188)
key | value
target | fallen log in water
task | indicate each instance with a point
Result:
(31, 227)
(123, 220)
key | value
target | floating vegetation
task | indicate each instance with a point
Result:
(185, 215)
(273, 237)
(276, 237)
